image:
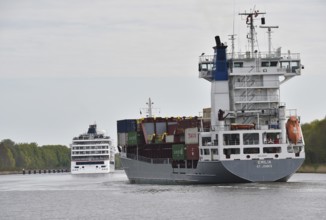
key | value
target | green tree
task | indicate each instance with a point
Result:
(31, 156)
(315, 141)
(7, 161)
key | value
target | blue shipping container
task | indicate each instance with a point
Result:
(125, 126)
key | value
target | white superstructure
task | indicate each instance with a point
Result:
(92, 152)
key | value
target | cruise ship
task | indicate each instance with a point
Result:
(92, 152)
(246, 135)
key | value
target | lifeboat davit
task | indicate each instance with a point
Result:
(293, 129)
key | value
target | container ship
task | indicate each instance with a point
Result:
(247, 135)
(92, 152)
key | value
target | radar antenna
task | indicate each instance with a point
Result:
(250, 22)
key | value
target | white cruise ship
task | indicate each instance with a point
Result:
(92, 152)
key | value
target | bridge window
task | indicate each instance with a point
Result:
(274, 63)
(231, 139)
(230, 151)
(206, 151)
(250, 138)
(215, 151)
(272, 150)
(238, 64)
(271, 138)
(205, 66)
(251, 150)
(206, 141)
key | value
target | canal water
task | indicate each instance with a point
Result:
(111, 196)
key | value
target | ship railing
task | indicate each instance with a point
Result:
(262, 55)
(247, 55)
(256, 98)
(149, 160)
(252, 83)
(206, 59)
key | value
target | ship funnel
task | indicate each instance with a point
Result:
(218, 41)
(92, 129)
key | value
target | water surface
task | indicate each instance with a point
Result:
(110, 196)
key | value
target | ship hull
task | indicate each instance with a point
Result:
(101, 167)
(212, 172)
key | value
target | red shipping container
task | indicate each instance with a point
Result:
(192, 152)
(172, 128)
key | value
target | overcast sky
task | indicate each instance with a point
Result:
(65, 64)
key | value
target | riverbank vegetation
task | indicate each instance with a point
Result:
(315, 146)
(30, 156)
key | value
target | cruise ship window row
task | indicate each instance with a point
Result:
(92, 142)
(90, 147)
(90, 158)
(89, 152)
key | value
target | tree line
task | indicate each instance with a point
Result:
(29, 156)
(314, 134)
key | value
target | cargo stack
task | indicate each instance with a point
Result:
(127, 134)
(173, 138)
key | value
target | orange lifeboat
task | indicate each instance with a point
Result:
(242, 126)
(293, 129)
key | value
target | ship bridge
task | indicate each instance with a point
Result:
(287, 65)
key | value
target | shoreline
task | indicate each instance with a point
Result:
(37, 171)
(10, 172)
(313, 168)
(303, 169)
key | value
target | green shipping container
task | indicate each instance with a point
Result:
(178, 152)
(133, 138)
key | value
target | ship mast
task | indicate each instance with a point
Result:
(149, 109)
(232, 38)
(269, 31)
(250, 22)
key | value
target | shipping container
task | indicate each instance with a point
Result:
(192, 152)
(159, 138)
(160, 128)
(133, 138)
(191, 136)
(149, 138)
(207, 114)
(169, 138)
(122, 139)
(148, 128)
(189, 123)
(128, 125)
(172, 126)
(178, 152)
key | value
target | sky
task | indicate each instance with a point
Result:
(67, 64)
